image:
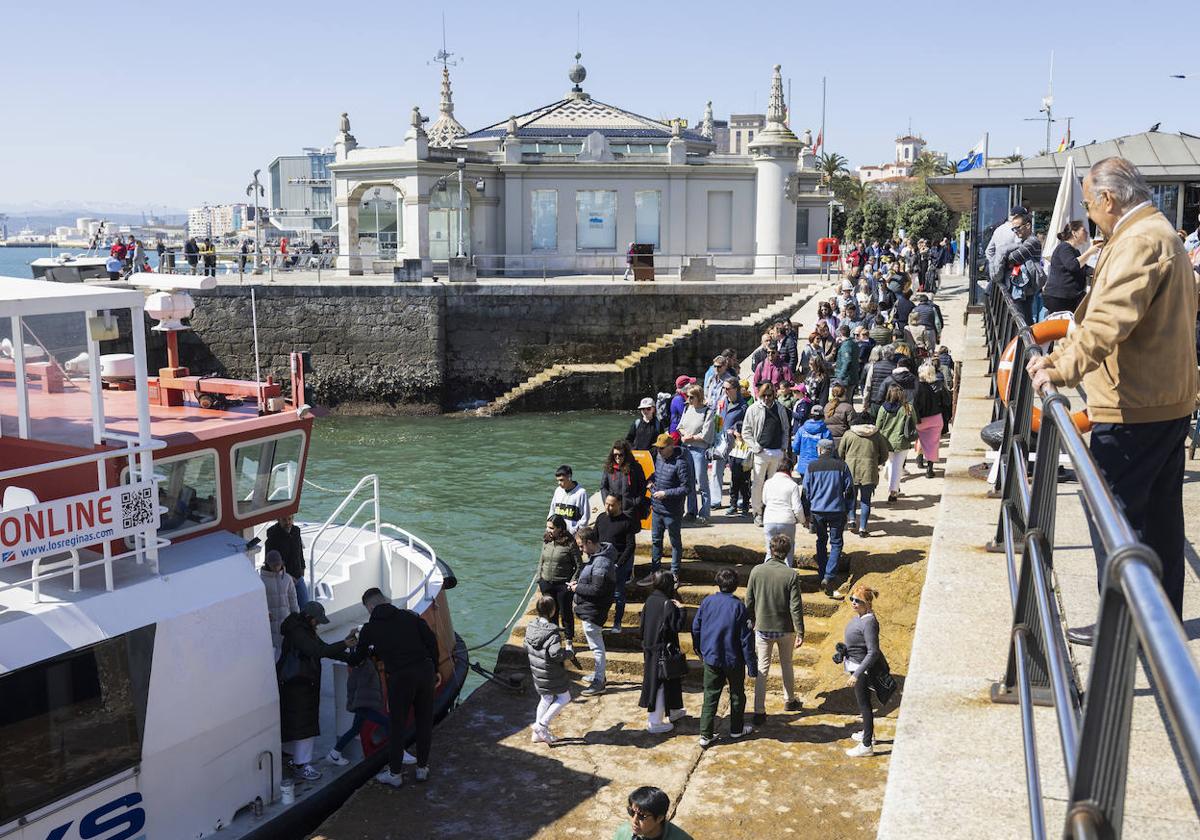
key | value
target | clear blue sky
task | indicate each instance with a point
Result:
(154, 105)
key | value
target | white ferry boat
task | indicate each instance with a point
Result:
(138, 694)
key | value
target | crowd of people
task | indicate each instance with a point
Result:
(804, 438)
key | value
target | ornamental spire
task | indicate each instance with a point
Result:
(776, 109)
(706, 124)
(447, 106)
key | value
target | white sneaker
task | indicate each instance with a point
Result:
(705, 743)
(746, 730)
(860, 751)
(335, 757)
(541, 735)
(409, 758)
(677, 714)
(422, 774)
(660, 728)
(306, 772)
(387, 777)
(857, 737)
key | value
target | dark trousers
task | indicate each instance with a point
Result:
(829, 528)
(1143, 465)
(862, 693)
(411, 688)
(361, 716)
(624, 572)
(1061, 304)
(739, 485)
(564, 597)
(715, 679)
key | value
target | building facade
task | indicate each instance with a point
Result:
(300, 192)
(219, 220)
(742, 128)
(567, 187)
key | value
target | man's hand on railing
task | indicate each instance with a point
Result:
(1039, 370)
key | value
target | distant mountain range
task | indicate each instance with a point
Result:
(44, 217)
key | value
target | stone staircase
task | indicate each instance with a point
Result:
(623, 650)
(687, 331)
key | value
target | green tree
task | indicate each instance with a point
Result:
(831, 165)
(854, 222)
(878, 219)
(1012, 159)
(839, 224)
(924, 217)
(924, 166)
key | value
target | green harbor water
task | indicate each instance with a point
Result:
(476, 489)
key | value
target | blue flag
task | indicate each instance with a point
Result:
(974, 158)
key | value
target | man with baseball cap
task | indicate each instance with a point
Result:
(646, 427)
(679, 401)
(670, 482)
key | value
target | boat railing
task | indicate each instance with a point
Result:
(60, 562)
(409, 588)
(1135, 616)
(320, 554)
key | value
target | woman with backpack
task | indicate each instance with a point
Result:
(839, 411)
(864, 450)
(897, 424)
(931, 405)
(662, 619)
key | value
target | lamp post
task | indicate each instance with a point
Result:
(378, 239)
(255, 190)
(461, 164)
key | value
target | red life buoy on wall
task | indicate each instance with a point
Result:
(827, 249)
(1052, 329)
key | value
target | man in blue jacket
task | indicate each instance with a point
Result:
(721, 632)
(671, 480)
(827, 487)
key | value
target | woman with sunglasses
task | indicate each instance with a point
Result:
(647, 808)
(862, 654)
(624, 478)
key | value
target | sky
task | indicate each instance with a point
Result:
(145, 106)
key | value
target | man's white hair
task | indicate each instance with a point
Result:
(1120, 179)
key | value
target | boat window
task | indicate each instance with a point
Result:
(187, 488)
(72, 721)
(267, 473)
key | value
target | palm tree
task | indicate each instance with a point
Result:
(849, 190)
(947, 168)
(924, 166)
(1012, 159)
(831, 165)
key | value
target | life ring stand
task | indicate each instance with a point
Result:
(1052, 329)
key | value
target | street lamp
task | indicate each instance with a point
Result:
(378, 239)
(255, 191)
(440, 185)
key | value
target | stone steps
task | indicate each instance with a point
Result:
(781, 308)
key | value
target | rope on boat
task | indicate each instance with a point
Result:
(513, 620)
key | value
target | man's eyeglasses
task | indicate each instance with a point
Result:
(638, 815)
(1087, 205)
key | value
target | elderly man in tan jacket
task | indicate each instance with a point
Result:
(1133, 351)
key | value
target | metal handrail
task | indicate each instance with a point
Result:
(1135, 615)
(414, 541)
(373, 480)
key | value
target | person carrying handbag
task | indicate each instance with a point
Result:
(897, 422)
(865, 666)
(662, 674)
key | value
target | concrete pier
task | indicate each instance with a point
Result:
(790, 778)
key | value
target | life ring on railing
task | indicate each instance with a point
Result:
(1052, 329)
(827, 249)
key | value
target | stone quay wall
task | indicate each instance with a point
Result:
(429, 347)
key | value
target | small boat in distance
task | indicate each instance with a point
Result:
(138, 693)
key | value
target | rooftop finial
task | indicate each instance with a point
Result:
(344, 123)
(707, 129)
(447, 105)
(776, 110)
(577, 74)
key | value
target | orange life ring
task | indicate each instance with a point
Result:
(827, 249)
(1052, 329)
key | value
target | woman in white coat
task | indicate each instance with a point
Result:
(281, 596)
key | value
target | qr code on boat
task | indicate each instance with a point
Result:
(137, 508)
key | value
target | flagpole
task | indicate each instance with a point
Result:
(788, 121)
(823, 113)
(985, 150)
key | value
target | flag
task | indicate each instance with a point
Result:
(820, 140)
(1062, 145)
(974, 158)
(1068, 207)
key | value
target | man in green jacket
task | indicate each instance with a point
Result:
(773, 601)
(1133, 352)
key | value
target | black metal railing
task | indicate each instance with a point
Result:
(1135, 616)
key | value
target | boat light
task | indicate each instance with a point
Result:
(169, 309)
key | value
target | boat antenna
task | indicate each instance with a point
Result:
(257, 372)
